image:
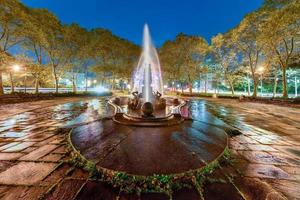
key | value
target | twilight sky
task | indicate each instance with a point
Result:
(166, 18)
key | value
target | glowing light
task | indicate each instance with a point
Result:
(261, 69)
(89, 83)
(128, 87)
(165, 86)
(178, 85)
(100, 89)
(147, 76)
(16, 68)
(95, 81)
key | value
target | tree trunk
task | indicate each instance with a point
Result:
(205, 84)
(74, 88)
(86, 80)
(230, 84)
(275, 86)
(36, 85)
(55, 78)
(1, 84)
(231, 88)
(56, 84)
(249, 88)
(254, 88)
(12, 85)
(191, 88)
(284, 92)
(181, 88)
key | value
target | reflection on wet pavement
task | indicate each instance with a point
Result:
(30, 141)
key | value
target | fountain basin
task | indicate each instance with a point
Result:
(167, 117)
(145, 151)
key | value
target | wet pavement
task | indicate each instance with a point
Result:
(265, 158)
(150, 150)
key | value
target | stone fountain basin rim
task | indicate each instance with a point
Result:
(118, 109)
(106, 171)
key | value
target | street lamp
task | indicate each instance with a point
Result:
(89, 83)
(16, 67)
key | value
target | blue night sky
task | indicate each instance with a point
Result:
(166, 18)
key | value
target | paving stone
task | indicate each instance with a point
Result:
(47, 141)
(38, 137)
(3, 190)
(264, 158)
(221, 191)
(67, 189)
(259, 147)
(29, 149)
(13, 134)
(289, 188)
(19, 147)
(52, 158)
(238, 146)
(59, 173)
(291, 169)
(60, 150)
(10, 156)
(256, 189)
(26, 173)
(266, 171)
(40, 152)
(265, 128)
(8, 145)
(5, 164)
(24, 193)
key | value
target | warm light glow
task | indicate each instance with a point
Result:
(95, 81)
(128, 87)
(165, 86)
(89, 83)
(100, 89)
(16, 67)
(261, 69)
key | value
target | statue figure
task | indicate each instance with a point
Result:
(134, 103)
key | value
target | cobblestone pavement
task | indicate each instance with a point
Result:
(265, 157)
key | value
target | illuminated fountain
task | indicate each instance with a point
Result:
(147, 103)
(147, 76)
(148, 134)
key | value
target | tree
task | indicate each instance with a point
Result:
(183, 58)
(13, 20)
(54, 46)
(76, 45)
(225, 55)
(114, 56)
(35, 43)
(244, 36)
(278, 33)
